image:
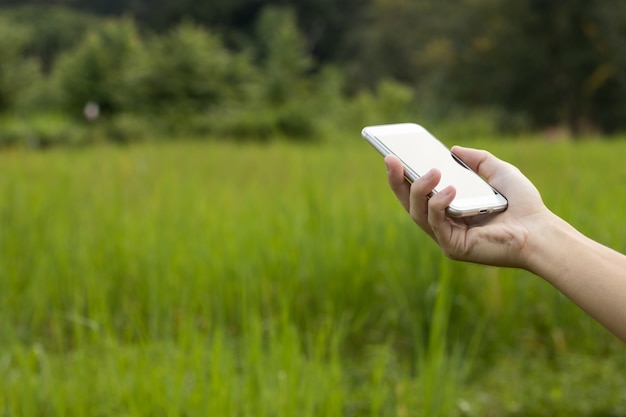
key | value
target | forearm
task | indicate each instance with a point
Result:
(590, 274)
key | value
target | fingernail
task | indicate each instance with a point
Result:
(428, 175)
(447, 191)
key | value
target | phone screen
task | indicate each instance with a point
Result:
(420, 151)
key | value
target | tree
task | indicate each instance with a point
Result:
(282, 54)
(52, 29)
(186, 71)
(94, 71)
(552, 63)
(16, 71)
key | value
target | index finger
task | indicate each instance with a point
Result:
(397, 182)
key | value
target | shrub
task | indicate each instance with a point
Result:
(94, 70)
(41, 131)
(282, 56)
(53, 29)
(286, 100)
(185, 72)
(390, 102)
(16, 71)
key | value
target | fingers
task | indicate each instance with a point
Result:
(436, 216)
(397, 182)
(421, 191)
(413, 197)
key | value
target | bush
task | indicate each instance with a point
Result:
(53, 29)
(282, 56)
(41, 131)
(390, 102)
(184, 72)
(128, 127)
(94, 71)
(12, 131)
(294, 121)
(16, 71)
(186, 83)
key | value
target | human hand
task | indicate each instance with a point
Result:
(499, 239)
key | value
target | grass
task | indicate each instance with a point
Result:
(200, 278)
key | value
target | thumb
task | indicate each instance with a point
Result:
(483, 162)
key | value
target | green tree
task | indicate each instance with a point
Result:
(555, 64)
(551, 63)
(94, 71)
(607, 82)
(17, 72)
(283, 57)
(187, 70)
(384, 43)
(53, 29)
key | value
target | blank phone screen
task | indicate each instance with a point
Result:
(420, 151)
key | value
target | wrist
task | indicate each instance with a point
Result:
(550, 243)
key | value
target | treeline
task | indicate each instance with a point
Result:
(73, 78)
(82, 71)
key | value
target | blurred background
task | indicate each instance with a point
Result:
(256, 69)
(191, 224)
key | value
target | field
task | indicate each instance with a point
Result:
(208, 279)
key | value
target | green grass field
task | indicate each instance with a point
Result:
(207, 279)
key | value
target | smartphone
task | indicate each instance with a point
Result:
(420, 151)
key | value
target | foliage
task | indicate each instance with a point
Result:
(94, 71)
(285, 90)
(16, 73)
(187, 70)
(248, 70)
(282, 56)
(569, 63)
(324, 23)
(548, 63)
(186, 82)
(53, 30)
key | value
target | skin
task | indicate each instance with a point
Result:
(527, 235)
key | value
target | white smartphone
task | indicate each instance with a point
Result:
(420, 151)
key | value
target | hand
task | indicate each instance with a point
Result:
(499, 239)
(527, 235)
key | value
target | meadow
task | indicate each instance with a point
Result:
(199, 278)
